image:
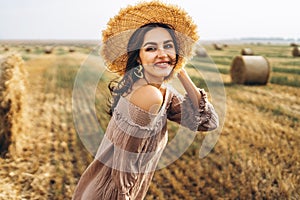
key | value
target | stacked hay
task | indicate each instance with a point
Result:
(218, 47)
(12, 100)
(250, 70)
(247, 51)
(200, 52)
(296, 51)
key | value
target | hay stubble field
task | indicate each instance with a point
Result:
(256, 156)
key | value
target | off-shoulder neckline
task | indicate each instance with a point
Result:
(144, 111)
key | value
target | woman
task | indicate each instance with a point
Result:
(158, 44)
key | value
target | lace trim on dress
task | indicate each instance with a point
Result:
(193, 116)
(201, 118)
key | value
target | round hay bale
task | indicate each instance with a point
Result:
(28, 50)
(12, 100)
(218, 47)
(48, 50)
(253, 70)
(296, 51)
(200, 52)
(247, 51)
(71, 49)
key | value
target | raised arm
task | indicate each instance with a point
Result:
(194, 111)
(190, 87)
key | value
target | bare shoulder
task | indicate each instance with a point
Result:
(148, 98)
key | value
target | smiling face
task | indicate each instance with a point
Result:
(157, 55)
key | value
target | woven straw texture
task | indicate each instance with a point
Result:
(120, 28)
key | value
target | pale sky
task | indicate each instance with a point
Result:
(85, 19)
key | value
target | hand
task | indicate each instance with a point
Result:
(189, 86)
(182, 72)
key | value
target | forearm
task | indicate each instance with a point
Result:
(195, 112)
(190, 87)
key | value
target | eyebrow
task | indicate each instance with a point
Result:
(154, 43)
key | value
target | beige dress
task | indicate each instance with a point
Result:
(132, 145)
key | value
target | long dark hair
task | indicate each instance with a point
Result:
(124, 85)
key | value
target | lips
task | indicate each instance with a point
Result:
(163, 64)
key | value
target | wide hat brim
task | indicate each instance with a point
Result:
(120, 28)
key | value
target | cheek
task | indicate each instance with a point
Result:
(174, 57)
(172, 54)
(147, 57)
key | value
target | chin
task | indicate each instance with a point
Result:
(164, 75)
(166, 72)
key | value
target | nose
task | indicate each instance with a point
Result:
(161, 53)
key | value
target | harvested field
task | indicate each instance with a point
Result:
(256, 156)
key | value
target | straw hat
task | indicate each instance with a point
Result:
(120, 28)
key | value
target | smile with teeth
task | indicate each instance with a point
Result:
(162, 64)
